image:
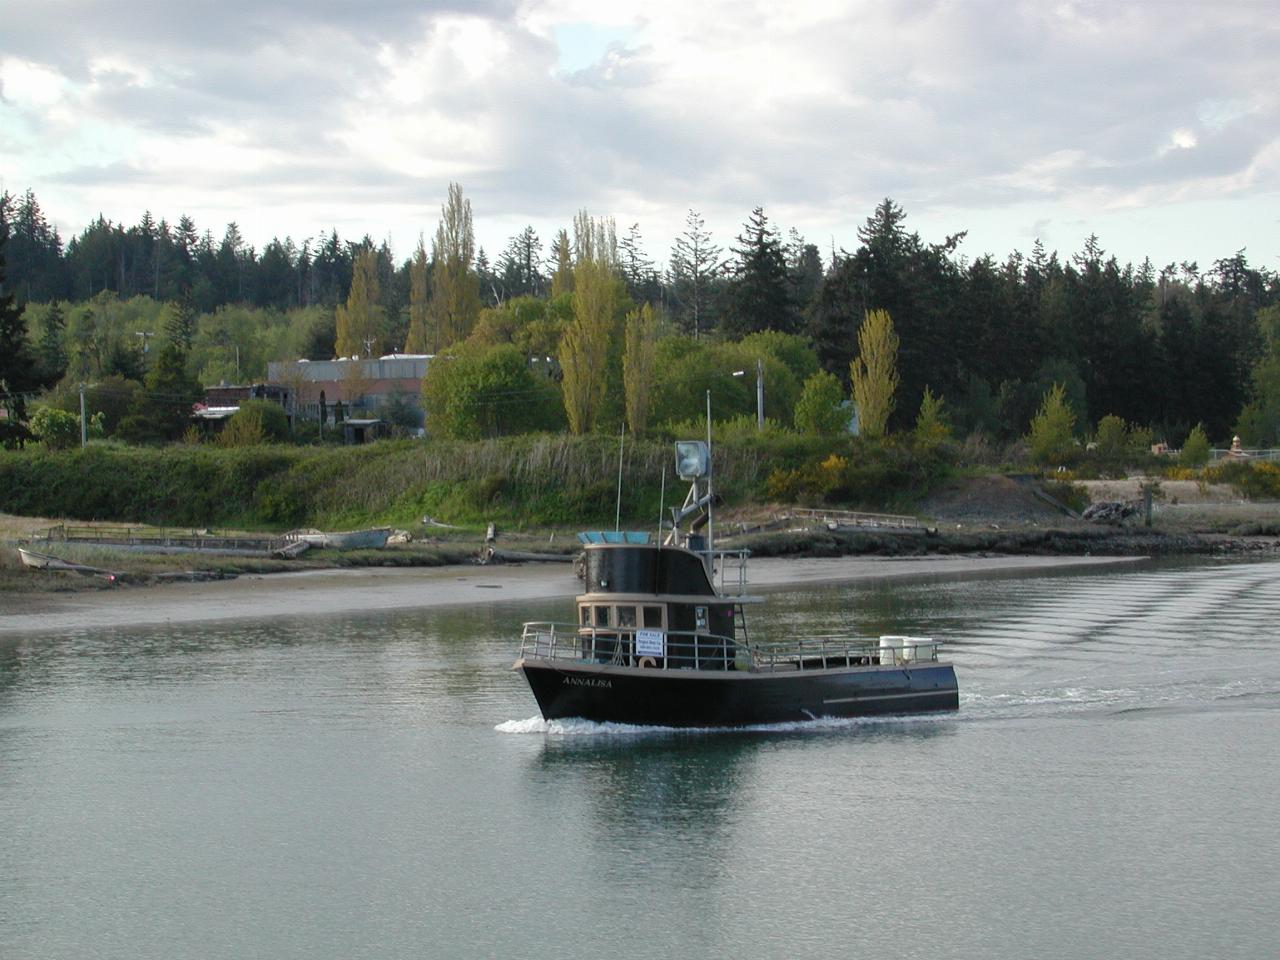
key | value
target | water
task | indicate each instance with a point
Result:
(378, 786)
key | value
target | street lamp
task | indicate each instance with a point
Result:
(759, 391)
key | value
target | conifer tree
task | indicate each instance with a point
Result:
(418, 339)
(760, 292)
(52, 350)
(16, 366)
(695, 263)
(562, 271)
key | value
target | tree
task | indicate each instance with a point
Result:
(478, 392)
(1195, 449)
(562, 265)
(56, 429)
(821, 410)
(1112, 438)
(759, 293)
(53, 353)
(695, 263)
(360, 322)
(874, 373)
(180, 325)
(418, 339)
(163, 412)
(932, 428)
(637, 365)
(584, 349)
(255, 423)
(637, 269)
(455, 292)
(17, 366)
(519, 267)
(1051, 439)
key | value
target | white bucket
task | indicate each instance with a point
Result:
(891, 652)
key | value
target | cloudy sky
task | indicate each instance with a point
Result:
(1155, 125)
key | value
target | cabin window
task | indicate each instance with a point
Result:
(653, 617)
(586, 615)
(626, 616)
(602, 616)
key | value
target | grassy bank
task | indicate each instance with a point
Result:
(520, 482)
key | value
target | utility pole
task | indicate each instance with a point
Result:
(84, 428)
(146, 346)
(760, 393)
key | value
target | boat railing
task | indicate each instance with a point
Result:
(830, 652)
(682, 649)
(618, 646)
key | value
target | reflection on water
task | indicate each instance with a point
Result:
(376, 785)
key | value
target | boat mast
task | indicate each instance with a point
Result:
(711, 563)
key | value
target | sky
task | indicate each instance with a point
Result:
(1155, 126)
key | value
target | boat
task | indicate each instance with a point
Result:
(660, 637)
(44, 561)
(375, 538)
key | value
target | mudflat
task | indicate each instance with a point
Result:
(329, 592)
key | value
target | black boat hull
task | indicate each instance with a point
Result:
(712, 698)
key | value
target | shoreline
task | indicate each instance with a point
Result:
(328, 592)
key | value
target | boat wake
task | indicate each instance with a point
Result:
(590, 728)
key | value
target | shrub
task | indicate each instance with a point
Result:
(57, 429)
(1050, 438)
(1195, 450)
(820, 411)
(1253, 480)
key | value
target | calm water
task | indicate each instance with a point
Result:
(379, 787)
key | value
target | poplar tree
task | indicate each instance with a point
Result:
(455, 292)
(875, 373)
(360, 322)
(584, 348)
(638, 364)
(418, 339)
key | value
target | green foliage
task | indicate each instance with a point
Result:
(1256, 480)
(793, 350)
(1112, 438)
(1051, 440)
(932, 427)
(56, 429)
(874, 373)
(1195, 449)
(488, 392)
(821, 409)
(256, 422)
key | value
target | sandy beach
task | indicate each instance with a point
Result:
(326, 592)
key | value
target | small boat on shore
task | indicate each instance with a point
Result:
(656, 642)
(374, 538)
(34, 560)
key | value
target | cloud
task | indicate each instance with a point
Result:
(642, 110)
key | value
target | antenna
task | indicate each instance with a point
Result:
(662, 505)
(617, 517)
(711, 557)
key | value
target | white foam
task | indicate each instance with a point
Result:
(578, 728)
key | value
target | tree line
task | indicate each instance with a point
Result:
(1166, 347)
